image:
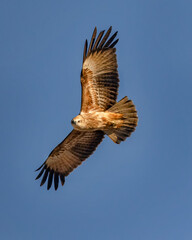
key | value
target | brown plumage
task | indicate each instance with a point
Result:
(100, 113)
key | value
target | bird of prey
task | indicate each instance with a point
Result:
(100, 113)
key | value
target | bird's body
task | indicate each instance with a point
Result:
(100, 113)
(94, 121)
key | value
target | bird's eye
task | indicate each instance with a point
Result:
(79, 121)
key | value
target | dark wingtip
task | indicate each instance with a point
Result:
(52, 176)
(50, 179)
(92, 41)
(56, 180)
(39, 175)
(100, 42)
(86, 43)
(85, 50)
(44, 177)
(114, 43)
(108, 43)
(62, 178)
(105, 38)
(40, 167)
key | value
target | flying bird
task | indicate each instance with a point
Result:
(100, 113)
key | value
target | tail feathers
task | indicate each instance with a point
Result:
(130, 119)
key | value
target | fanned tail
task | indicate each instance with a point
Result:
(130, 119)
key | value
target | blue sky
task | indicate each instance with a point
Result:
(140, 189)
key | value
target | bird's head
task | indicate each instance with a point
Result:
(78, 122)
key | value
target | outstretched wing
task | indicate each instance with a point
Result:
(70, 153)
(99, 75)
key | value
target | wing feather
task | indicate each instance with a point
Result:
(85, 51)
(41, 172)
(98, 40)
(92, 41)
(107, 44)
(114, 43)
(62, 178)
(105, 38)
(70, 153)
(99, 75)
(44, 176)
(56, 180)
(50, 179)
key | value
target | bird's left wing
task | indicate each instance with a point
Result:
(70, 153)
(99, 75)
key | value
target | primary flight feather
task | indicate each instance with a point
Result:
(100, 113)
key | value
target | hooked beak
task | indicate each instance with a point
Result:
(72, 122)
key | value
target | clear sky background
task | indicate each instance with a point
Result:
(138, 190)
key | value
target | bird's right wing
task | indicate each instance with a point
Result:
(70, 153)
